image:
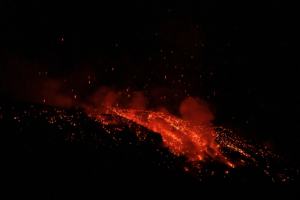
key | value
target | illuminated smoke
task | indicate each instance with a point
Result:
(195, 109)
(104, 95)
(139, 101)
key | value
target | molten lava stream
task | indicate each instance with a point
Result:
(182, 137)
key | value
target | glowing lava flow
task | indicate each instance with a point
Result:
(191, 139)
(182, 137)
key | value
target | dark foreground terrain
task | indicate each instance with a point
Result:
(51, 153)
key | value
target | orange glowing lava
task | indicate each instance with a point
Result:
(182, 137)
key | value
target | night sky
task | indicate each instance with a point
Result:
(240, 58)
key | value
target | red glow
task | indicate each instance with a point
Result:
(182, 137)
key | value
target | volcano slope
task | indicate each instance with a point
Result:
(62, 153)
